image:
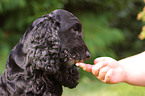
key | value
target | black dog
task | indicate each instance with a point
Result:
(44, 58)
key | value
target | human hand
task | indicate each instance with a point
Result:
(106, 69)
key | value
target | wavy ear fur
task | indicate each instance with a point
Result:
(39, 47)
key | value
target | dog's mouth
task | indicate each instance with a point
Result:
(73, 61)
(76, 57)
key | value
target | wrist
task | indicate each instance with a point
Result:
(123, 72)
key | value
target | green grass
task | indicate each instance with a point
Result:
(96, 88)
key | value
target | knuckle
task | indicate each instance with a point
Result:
(99, 59)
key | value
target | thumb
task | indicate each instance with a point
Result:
(85, 67)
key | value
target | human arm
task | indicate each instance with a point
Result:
(130, 70)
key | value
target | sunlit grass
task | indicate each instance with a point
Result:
(95, 88)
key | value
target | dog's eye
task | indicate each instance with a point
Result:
(77, 27)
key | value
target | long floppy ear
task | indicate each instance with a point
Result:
(45, 42)
(17, 59)
(39, 47)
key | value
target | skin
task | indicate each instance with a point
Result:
(130, 70)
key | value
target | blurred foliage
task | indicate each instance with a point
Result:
(115, 16)
(16, 16)
(141, 16)
(99, 35)
(110, 26)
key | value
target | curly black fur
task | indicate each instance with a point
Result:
(43, 59)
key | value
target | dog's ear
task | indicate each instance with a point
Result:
(16, 60)
(39, 47)
(18, 57)
(44, 54)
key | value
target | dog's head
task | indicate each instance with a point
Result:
(72, 46)
(55, 36)
(71, 34)
(51, 44)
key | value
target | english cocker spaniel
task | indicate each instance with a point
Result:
(43, 60)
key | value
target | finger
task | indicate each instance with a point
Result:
(85, 67)
(108, 76)
(103, 72)
(96, 68)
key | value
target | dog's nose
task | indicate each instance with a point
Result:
(88, 55)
